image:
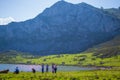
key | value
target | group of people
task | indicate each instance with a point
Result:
(54, 68)
(43, 68)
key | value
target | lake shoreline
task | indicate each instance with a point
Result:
(82, 67)
(24, 67)
(59, 65)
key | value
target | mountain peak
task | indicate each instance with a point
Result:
(59, 7)
(61, 3)
(83, 3)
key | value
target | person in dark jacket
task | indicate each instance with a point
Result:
(33, 70)
(47, 68)
(42, 68)
(16, 70)
(55, 68)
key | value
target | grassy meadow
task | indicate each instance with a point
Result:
(79, 75)
(83, 59)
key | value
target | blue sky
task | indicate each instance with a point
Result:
(22, 10)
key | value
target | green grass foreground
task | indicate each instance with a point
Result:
(79, 75)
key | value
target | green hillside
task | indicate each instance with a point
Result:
(14, 57)
(108, 49)
(105, 54)
(83, 59)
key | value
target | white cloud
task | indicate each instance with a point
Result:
(5, 21)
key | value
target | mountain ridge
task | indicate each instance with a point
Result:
(70, 29)
(114, 12)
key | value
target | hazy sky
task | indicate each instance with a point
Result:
(22, 10)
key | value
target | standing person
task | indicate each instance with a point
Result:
(16, 70)
(33, 70)
(42, 68)
(47, 68)
(55, 68)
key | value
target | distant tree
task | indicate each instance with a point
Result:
(44, 59)
(82, 59)
(101, 63)
(63, 63)
(28, 62)
(93, 59)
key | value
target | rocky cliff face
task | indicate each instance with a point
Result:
(114, 12)
(62, 28)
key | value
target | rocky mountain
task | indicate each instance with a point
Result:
(62, 28)
(114, 11)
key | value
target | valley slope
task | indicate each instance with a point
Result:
(105, 54)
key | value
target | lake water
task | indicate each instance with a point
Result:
(28, 68)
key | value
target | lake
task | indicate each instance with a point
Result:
(28, 68)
